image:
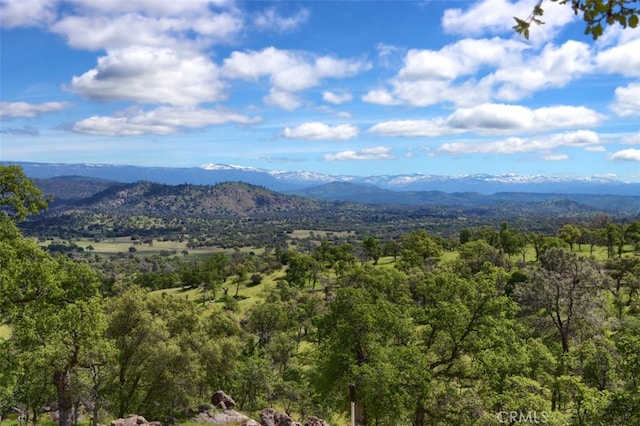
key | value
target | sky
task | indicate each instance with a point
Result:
(345, 87)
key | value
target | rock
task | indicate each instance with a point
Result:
(204, 408)
(314, 421)
(222, 400)
(270, 417)
(223, 418)
(133, 420)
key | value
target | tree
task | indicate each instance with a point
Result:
(570, 234)
(564, 289)
(418, 247)
(595, 14)
(19, 196)
(54, 308)
(372, 249)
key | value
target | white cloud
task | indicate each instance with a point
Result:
(413, 128)
(29, 110)
(470, 72)
(555, 157)
(554, 66)
(596, 148)
(376, 153)
(626, 155)
(18, 13)
(161, 121)
(97, 32)
(151, 7)
(151, 75)
(496, 16)
(288, 71)
(270, 19)
(336, 97)
(281, 99)
(517, 145)
(493, 119)
(633, 139)
(621, 59)
(627, 101)
(379, 97)
(498, 118)
(321, 131)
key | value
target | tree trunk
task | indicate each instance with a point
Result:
(62, 381)
(419, 415)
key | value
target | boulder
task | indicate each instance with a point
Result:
(221, 400)
(224, 417)
(270, 417)
(315, 421)
(133, 420)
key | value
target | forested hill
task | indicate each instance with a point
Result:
(159, 200)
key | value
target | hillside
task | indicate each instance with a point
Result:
(159, 200)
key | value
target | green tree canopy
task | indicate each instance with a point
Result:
(19, 196)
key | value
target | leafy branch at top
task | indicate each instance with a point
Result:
(595, 13)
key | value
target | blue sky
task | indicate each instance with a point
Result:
(345, 87)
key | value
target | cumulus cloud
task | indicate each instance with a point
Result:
(627, 100)
(496, 16)
(270, 19)
(29, 110)
(554, 66)
(622, 59)
(321, 131)
(625, 155)
(18, 13)
(282, 99)
(160, 121)
(518, 145)
(380, 97)
(336, 97)
(289, 71)
(151, 75)
(414, 128)
(493, 119)
(473, 71)
(376, 153)
(497, 118)
(633, 139)
(96, 32)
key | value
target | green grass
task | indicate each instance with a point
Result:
(5, 332)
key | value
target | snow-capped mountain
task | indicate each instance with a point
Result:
(210, 173)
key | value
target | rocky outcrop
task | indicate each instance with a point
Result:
(270, 417)
(133, 420)
(221, 400)
(314, 421)
(224, 417)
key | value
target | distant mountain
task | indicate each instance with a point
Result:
(624, 205)
(209, 174)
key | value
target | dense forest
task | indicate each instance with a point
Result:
(439, 317)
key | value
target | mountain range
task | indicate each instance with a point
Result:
(209, 174)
